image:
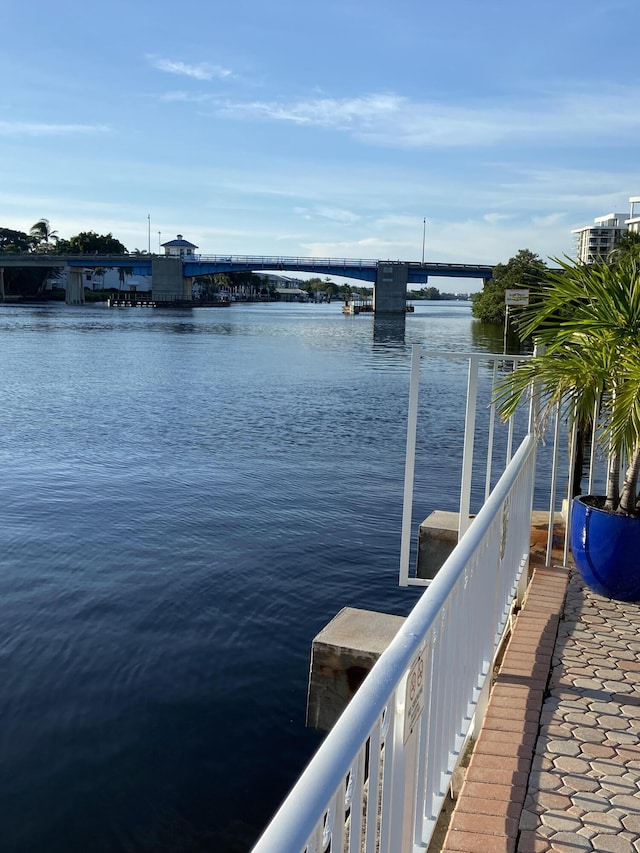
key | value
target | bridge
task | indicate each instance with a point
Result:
(172, 276)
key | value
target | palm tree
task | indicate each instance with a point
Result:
(42, 233)
(628, 244)
(587, 317)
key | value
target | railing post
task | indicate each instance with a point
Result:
(410, 461)
(572, 456)
(467, 456)
(492, 424)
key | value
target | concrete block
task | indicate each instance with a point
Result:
(342, 654)
(437, 537)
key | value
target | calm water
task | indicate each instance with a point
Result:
(187, 499)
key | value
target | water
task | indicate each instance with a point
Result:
(187, 499)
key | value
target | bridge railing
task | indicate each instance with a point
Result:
(380, 778)
(274, 261)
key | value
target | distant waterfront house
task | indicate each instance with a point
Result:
(179, 248)
(286, 288)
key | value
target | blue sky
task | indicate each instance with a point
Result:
(322, 129)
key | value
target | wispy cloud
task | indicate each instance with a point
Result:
(25, 128)
(394, 120)
(185, 97)
(198, 71)
(336, 214)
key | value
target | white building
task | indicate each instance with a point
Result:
(633, 223)
(179, 248)
(597, 240)
(103, 278)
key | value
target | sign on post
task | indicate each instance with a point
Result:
(518, 296)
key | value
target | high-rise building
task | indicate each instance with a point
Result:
(633, 222)
(597, 240)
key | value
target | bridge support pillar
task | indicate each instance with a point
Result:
(1, 284)
(74, 293)
(168, 284)
(390, 291)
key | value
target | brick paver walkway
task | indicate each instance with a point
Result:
(584, 789)
(557, 764)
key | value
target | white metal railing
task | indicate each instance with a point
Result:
(275, 261)
(378, 782)
(475, 360)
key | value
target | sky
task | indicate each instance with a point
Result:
(466, 130)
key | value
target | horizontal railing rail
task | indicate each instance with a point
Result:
(379, 779)
(276, 260)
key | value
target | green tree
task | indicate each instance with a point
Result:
(627, 245)
(524, 270)
(588, 316)
(42, 234)
(90, 243)
(123, 272)
(15, 241)
(23, 281)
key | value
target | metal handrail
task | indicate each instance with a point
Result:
(376, 783)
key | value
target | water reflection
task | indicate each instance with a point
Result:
(490, 337)
(389, 329)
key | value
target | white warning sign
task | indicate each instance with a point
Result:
(414, 695)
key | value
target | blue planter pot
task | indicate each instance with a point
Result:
(606, 550)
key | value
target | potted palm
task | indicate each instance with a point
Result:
(587, 319)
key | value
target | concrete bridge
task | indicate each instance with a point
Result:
(172, 277)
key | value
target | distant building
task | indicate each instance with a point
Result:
(106, 279)
(633, 223)
(287, 288)
(179, 248)
(597, 240)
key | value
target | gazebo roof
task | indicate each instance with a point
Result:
(180, 241)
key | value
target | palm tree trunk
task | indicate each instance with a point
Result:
(613, 483)
(630, 485)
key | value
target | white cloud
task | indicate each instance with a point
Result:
(495, 218)
(25, 128)
(394, 120)
(186, 97)
(199, 71)
(337, 215)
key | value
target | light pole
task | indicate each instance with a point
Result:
(424, 235)
(159, 246)
(149, 242)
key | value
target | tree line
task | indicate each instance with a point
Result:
(42, 239)
(527, 270)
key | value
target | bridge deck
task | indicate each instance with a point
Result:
(358, 268)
